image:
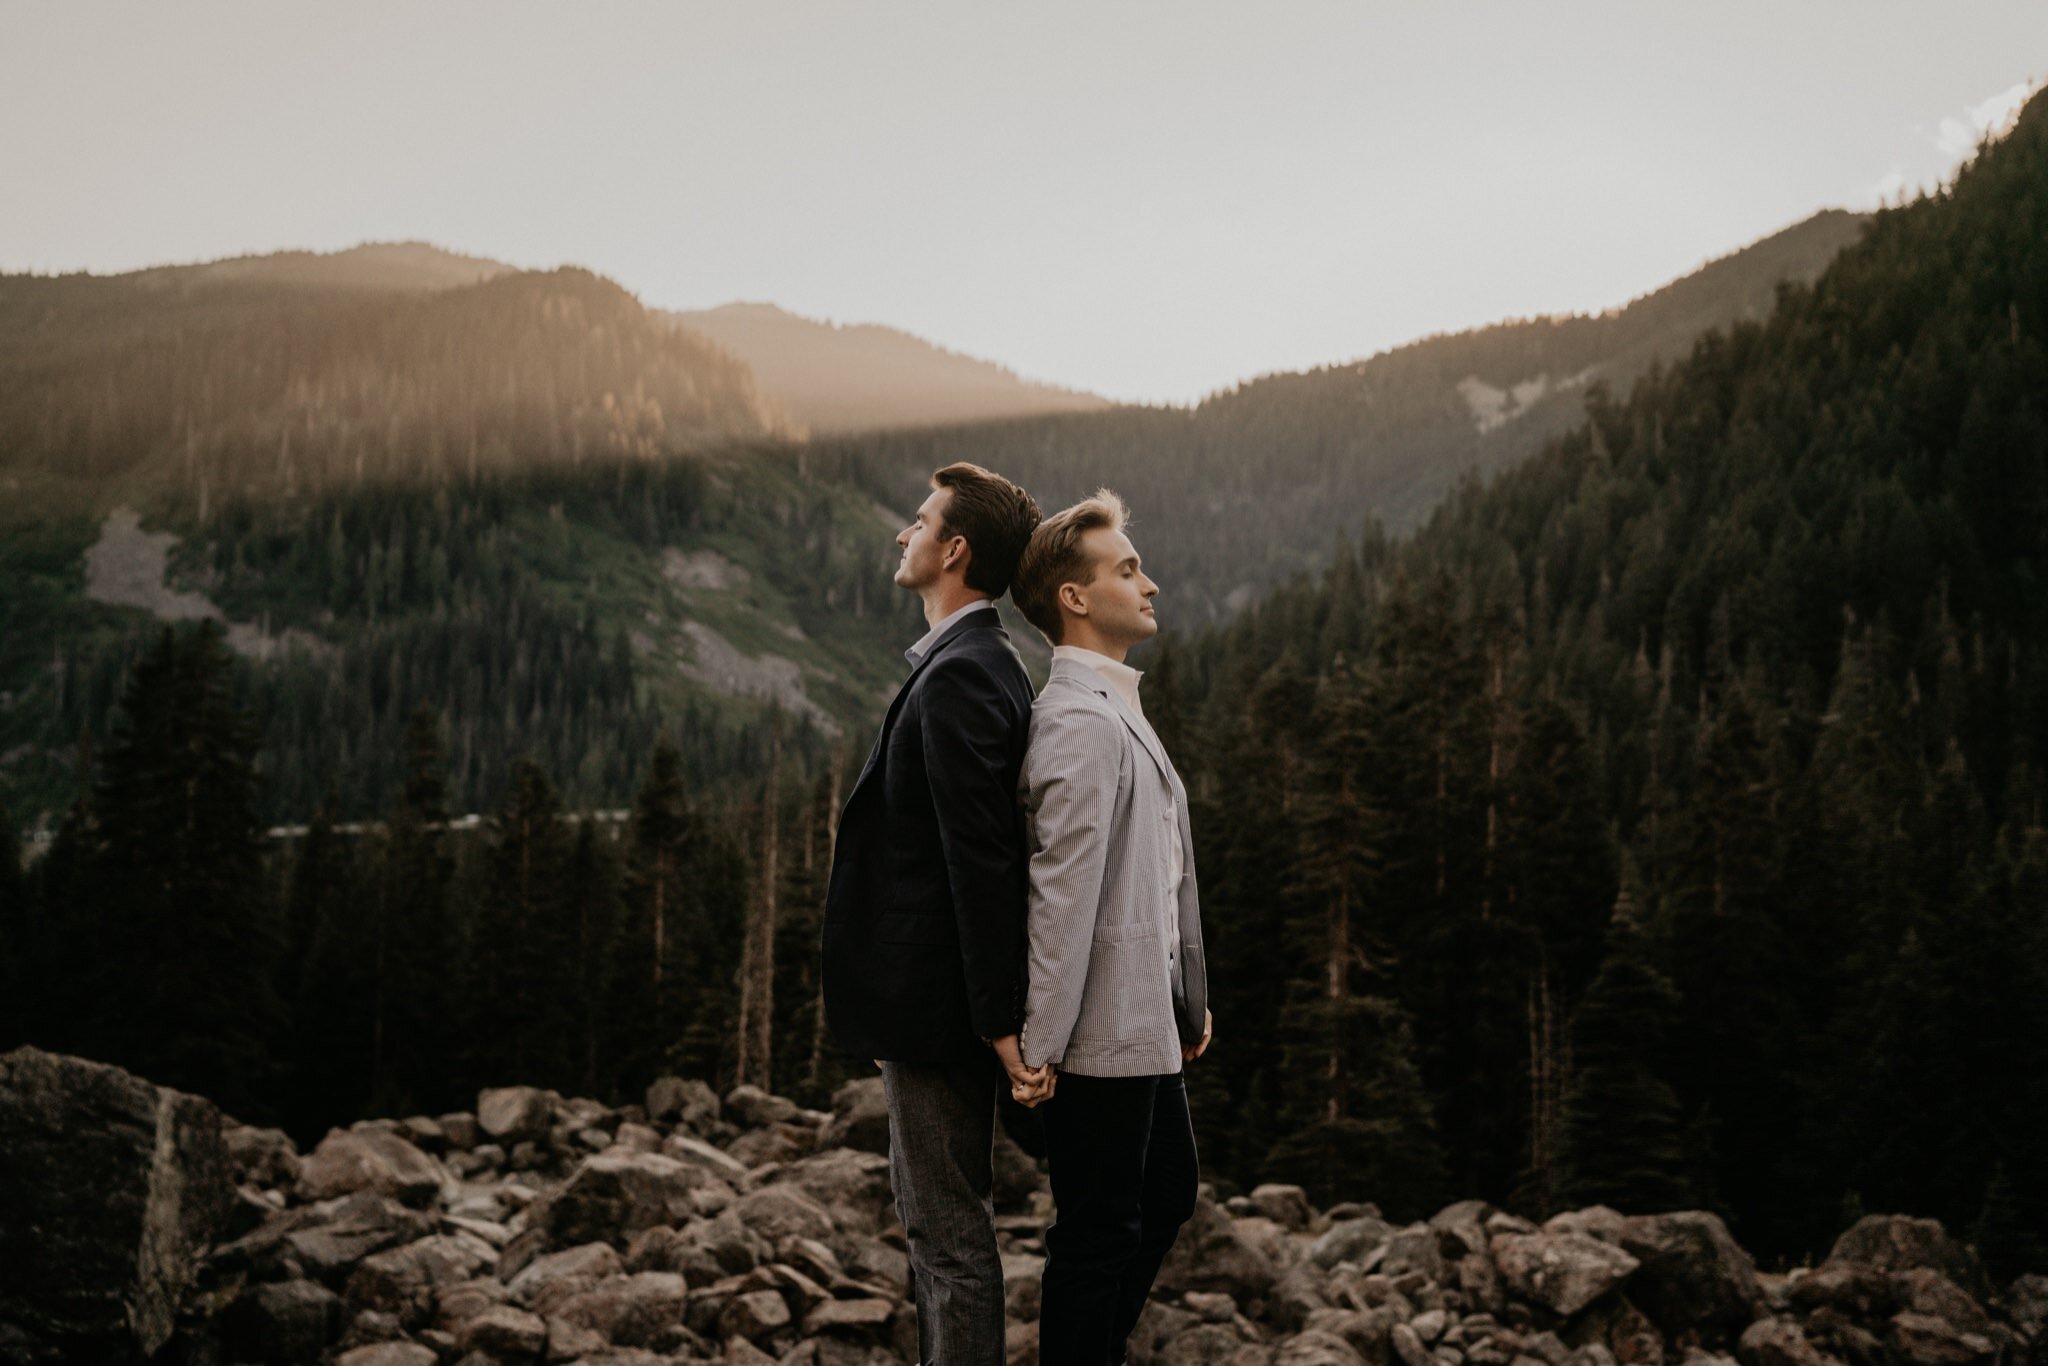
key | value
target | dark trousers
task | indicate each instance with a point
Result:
(1124, 1175)
(941, 1139)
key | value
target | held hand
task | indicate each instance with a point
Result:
(1028, 1085)
(1189, 1053)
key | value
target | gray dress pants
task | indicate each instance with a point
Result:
(941, 1137)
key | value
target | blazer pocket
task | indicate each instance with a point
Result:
(915, 929)
(1124, 934)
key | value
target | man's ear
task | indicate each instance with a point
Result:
(958, 552)
(1071, 598)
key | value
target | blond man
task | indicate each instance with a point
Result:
(1117, 996)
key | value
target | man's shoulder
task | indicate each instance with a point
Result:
(1069, 712)
(975, 654)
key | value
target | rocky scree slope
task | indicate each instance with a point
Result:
(138, 1222)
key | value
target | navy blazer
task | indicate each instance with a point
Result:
(924, 920)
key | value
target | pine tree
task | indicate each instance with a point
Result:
(654, 973)
(517, 1013)
(420, 1049)
(187, 939)
(1358, 1122)
(331, 989)
(1620, 1143)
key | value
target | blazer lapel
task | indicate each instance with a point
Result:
(1096, 683)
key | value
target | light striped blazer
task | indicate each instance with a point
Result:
(1109, 993)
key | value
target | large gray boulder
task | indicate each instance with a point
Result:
(1696, 1282)
(1353, 1240)
(376, 1160)
(615, 1194)
(1214, 1253)
(1897, 1242)
(110, 1191)
(1564, 1272)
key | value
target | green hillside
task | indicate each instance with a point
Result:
(1254, 485)
(567, 615)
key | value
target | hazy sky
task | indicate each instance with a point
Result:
(1148, 200)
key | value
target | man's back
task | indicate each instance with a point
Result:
(924, 920)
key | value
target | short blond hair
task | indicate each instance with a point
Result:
(1053, 557)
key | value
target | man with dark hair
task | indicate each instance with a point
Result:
(924, 918)
(1118, 988)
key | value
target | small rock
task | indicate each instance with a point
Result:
(1929, 1341)
(755, 1314)
(288, 1321)
(684, 1148)
(551, 1279)
(460, 1129)
(424, 1133)
(775, 1143)
(515, 1114)
(1350, 1241)
(864, 1317)
(860, 1117)
(753, 1108)
(783, 1211)
(1286, 1206)
(505, 1332)
(632, 1311)
(1317, 1349)
(672, 1100)
(1408, 1345)
(1416, 1248)
(1430, 1326)
(1779, 1342)
(389, 1354)
(262, 1157)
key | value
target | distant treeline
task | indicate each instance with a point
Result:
(396, 971)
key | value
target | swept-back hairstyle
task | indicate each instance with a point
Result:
(1054, 557)
(994, 515)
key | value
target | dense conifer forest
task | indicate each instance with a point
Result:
(1661, 824)
(1664, 823)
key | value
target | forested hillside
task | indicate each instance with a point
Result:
(1663, 824)
(567, 614)
(834, 377)
(526, 501)
(1253, 485)
(200, 384)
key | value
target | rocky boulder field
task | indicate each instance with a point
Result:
(138, 1223)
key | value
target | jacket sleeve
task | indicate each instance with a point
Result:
(1071, 773)
(969, 739)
